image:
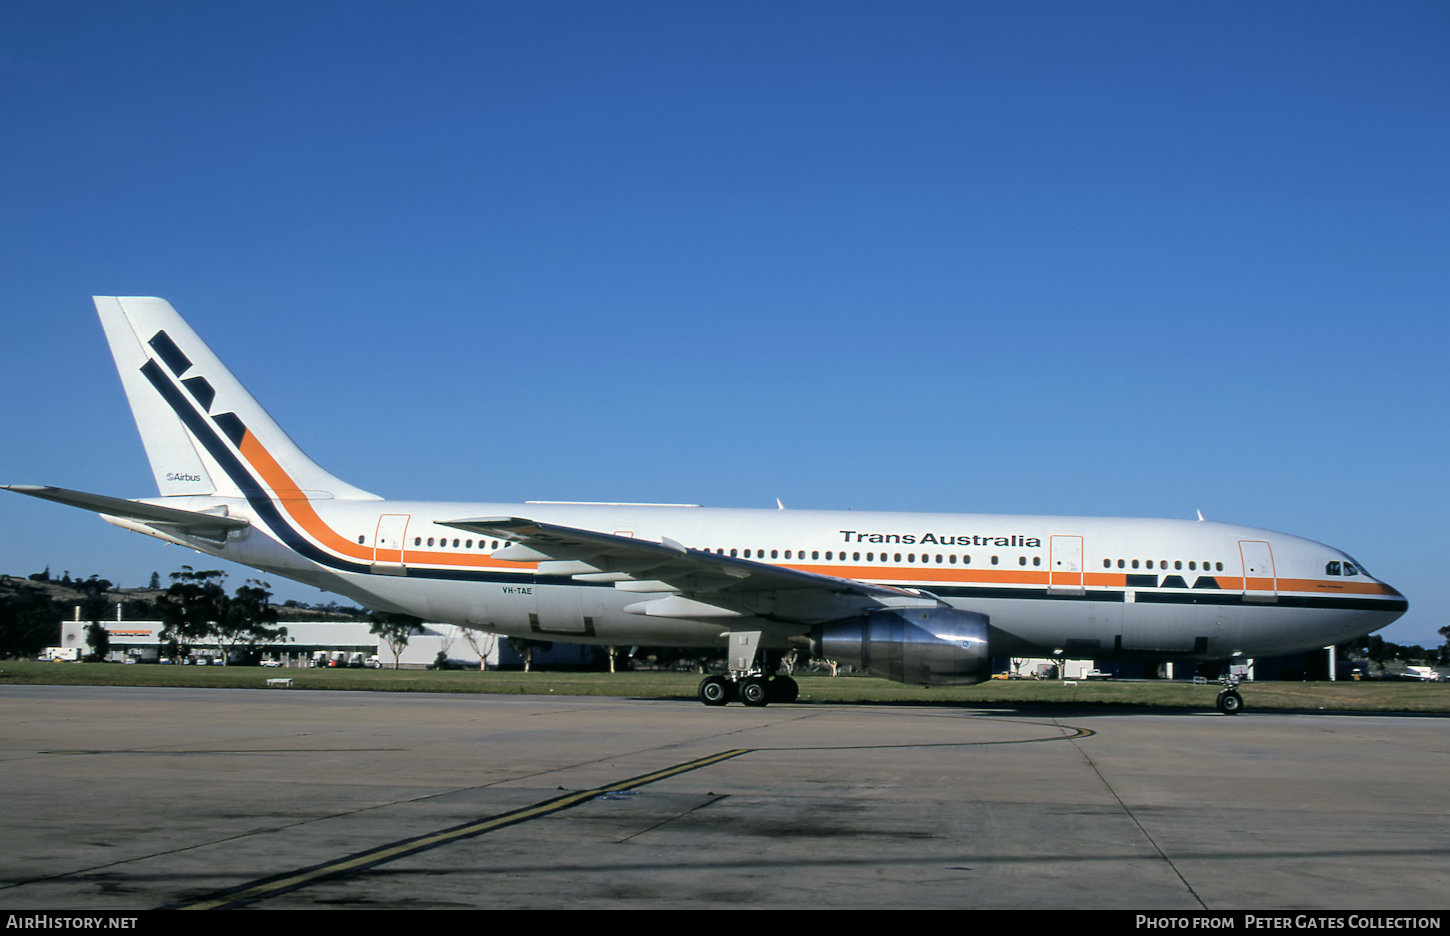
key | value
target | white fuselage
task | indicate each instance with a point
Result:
(1090, 587)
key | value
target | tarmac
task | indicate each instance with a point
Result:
(136, 799)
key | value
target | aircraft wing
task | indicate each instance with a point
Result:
(169, 519)
(680, 582)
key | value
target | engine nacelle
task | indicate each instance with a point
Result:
(923, 646)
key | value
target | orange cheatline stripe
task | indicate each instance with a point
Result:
(285, 490)
(296, 503)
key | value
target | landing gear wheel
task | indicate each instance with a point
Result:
(784, 689)
(1230, 702)
(714, 691)
(754, 691)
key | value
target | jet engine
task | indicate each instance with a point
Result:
(924, 646)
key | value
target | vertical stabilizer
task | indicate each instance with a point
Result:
(203, 432)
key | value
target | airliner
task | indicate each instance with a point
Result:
(913, 597)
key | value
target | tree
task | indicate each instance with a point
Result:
(94, 606)
(525, 647)
(395, 630)
(189, 608)
(250, 619)
(99, 638)
(482, 645)
(29, 622)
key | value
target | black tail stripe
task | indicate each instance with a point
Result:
(251, 490)
(201, 388)
(170, 353)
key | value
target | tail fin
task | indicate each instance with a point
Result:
(203, 432)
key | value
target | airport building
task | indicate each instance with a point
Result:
(334, 643)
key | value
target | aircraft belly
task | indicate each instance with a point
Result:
(570, 614)
(1041, 625)
(1168, 629)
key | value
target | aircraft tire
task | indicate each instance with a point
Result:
(784, 689)
(754, 692)
(714, 691)
(1230, 702)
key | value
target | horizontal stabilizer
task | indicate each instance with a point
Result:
(208, 525)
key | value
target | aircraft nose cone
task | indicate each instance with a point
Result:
(1398, 601)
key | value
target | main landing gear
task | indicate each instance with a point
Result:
(749, 681)
(1229, 701)
(754, 691)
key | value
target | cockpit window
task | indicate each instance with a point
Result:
(1332, 568)
(1349, 569)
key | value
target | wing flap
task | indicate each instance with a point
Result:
(699, 584)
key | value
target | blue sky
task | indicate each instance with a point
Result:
(1106, 259)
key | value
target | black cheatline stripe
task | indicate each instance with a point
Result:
(1335, 602)
(1196, 598)
(267, 509)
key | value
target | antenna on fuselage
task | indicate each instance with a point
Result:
(778, 504)
(1200, 516)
